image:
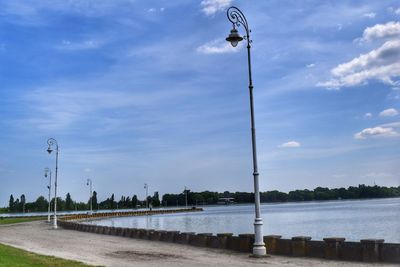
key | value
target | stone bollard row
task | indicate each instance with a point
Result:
(127, 213)
(332, 248)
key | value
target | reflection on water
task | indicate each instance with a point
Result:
(355, 220)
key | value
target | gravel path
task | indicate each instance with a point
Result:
(107, 250)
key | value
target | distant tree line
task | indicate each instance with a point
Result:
(319, 193)
(68, 204)
(202, 198)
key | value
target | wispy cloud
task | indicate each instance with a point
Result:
(210, 7)
(390, 112)
(290, 144)
(376, 132)
(393, 10)
(81, 45)
(368, 115)
(217, 47)
(370, 15)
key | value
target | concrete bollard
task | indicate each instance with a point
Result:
(105, 230)
(371, 249)
(127, 232)
(332, 247)
(118, 231)
(113, 231)
(299, 245)
(156, 235)
(223, 240)
(183, 238)
(169, 236)
(137, 232)
(199, 240)
(246, 242)
(145, 233)
(100, 230)
(233, 243)
(271, 243)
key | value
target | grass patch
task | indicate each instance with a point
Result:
(5, 220)
(14, 257)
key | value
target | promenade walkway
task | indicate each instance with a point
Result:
(107, 250)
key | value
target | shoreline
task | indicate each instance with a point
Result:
(66, 213)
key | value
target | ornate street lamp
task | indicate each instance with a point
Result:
(53, 142)
(89, 182)
(237, 18)
(47, 172)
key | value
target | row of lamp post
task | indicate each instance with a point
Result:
(47, 173)
(237, 18)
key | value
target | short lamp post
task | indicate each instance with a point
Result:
(186, 198)
(47, 173)
(89, 183)
(53, 142)
(237, 18)
(146, 187)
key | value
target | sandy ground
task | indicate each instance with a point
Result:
(119, 251)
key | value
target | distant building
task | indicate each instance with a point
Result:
(226, 200)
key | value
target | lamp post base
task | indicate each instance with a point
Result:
(259, 251)
(259, 246)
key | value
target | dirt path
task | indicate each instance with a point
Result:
(118, 251)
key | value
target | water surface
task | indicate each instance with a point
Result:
(352, 219)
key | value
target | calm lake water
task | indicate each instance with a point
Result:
(354, 220)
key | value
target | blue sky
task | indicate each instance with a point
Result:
(149, 92)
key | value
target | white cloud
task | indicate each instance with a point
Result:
(392, 124)
(370, 15)
(376, 132)
(381, 64)
(290, 144)
(379, 31)
(210, 7)
(390, 112)
(150, 10)
(217, 47)
(311, 65)
(368, 115)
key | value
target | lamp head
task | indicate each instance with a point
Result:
(234, 37)
(49, 150)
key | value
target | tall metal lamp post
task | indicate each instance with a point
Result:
(89, 183)
(237, 18)
(53, 142)
(47, 172)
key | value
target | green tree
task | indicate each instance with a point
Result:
(11, 206)
(134, 201)
(156, 200)
(94, 200)
(69, 204)
(22, 203)
(112, 202)
(41, 204)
